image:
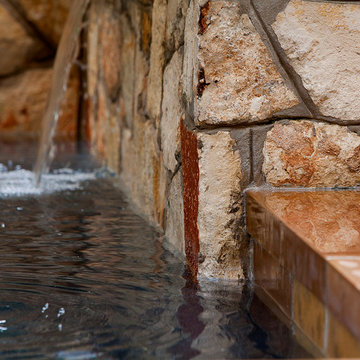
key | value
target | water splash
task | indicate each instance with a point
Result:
(66, 55)
(22, 182)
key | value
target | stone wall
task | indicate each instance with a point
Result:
(192, 102)
(30, 31)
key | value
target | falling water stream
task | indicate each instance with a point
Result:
(66, 54)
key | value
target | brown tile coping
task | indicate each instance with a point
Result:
(311, 238)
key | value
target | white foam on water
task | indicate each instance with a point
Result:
(21, 182)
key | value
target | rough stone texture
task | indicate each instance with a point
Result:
(17, 48)
(190, 69)
(242, 145)
(157, 59)
(49, 16)
(92, 49)
(110, 41)
(69, 107)
(23, 100)
(321, 41)
(220, 207)
(303, 153)
(127, 74)
(171, 112)
(175, 214)
(162, 71)
(108, 131)
(236, 69)
(190, 168)
(148, 186)
(258, 135)
(176, 12)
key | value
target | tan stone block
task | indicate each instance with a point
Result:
(157, 59)
(303, 153)
(321, 41)
(191, 66)
(142, 170)
(22, 101)
(69, 108)
(49, 16)
(220, 207)
(176, 12)
(17, 48)
(238, 81)
(171, 112)
(175, 214)
(127, 74)
(92, 48)
(341, 342)
(309, 314)
(110, 39)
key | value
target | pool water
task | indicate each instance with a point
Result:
(83, 277)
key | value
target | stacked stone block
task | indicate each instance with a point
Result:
(192, 102)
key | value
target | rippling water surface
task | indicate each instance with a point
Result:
(83, 277)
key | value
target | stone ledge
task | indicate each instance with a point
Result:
(307, 259)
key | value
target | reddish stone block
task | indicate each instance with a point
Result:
(190, 165)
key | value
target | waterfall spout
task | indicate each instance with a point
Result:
(66, 55)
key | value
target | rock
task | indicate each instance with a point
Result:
(107, 131)
(16, 46)
(23, 99)
(175, 215)
(68, 120)
(49, 16)
(157, 59)
(321, 41)
(110, 38)
(220, 207)
(171, 112)
(190, 177)
(127, 71)
(190, 68)
(176, 12)
(308, 154)
(238, 80)
(92, 49)
(147, 187)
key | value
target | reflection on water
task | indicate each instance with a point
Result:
(83, 277)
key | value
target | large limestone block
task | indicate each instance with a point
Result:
(110, 39)
(175, 215)
(49, 16)
(127, 70)
(171, 112)
(220, 207)
(190, 67)
(302, 153)
(157, 59)
(17, 48)
(176, 12)
(238, 80)
(107, 134)
(92, 49)
(322, 43)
